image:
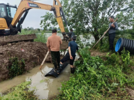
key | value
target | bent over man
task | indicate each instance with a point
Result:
(72, 48)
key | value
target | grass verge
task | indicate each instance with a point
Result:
(40, 35)
(100, 78)
(20, 92)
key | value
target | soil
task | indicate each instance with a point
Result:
(97, 53)
(16, 38)
(131, 93)
(32, 52)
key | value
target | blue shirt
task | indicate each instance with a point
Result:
(73, 45)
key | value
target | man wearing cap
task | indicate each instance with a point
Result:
(112, 31)
(72, 48)
(72, 33)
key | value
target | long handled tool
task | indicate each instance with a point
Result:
(44, 60)
(103, 34)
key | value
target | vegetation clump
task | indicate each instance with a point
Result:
(41, 37)
(20, 92)
(16, 67)
(99, 78)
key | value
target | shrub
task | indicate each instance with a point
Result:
(16, 67)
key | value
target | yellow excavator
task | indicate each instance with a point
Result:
(11, 17)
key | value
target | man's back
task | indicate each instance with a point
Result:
(73, 45)
(54, 42)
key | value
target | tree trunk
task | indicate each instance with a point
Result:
(96, 37)
(96, 34)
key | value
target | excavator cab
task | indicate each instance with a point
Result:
(11, 17)
(7, 13)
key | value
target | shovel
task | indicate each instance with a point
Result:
(44, 60)
(103, 34)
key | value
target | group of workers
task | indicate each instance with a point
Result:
(54, 42)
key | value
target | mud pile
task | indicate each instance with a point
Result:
(16, 38)
(31, 52)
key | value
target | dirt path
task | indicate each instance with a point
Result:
(97, 53)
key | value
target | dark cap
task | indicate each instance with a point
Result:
(74, 37)
(112, 17)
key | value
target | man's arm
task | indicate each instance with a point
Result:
(69, 49)
(114, 26)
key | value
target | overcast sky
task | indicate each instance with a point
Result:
(34, 16)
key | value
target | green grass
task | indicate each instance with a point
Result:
(96, 78)
(40, 35)
(20, 92)
(41, 38)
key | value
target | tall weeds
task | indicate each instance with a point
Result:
(97, 78)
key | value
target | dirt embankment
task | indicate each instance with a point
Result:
(97, 53)
(32, 52)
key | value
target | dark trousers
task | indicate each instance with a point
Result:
(67, 58)
(55, 58)
(111, 41)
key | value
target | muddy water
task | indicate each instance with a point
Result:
(45, 87)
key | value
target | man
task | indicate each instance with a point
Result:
(53, 44)
(112, 32)
(72, 33)
(72, 48)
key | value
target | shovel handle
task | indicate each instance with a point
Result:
(44, 59)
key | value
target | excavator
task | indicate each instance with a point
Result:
(11, 17)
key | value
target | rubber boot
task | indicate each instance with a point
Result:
(55, 68)
(58, 71)
(72, 70)
(60, 66)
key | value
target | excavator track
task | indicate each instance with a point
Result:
(16, 38)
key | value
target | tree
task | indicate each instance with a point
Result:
(38, 29)
(91, 16)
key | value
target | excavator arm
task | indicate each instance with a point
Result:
(26, 5)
